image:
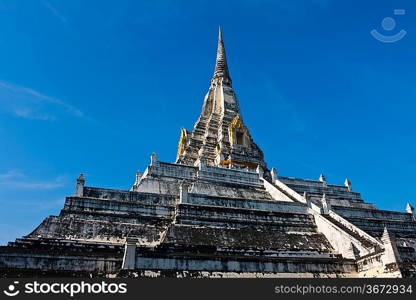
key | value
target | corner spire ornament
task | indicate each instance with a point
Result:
(274, 173)
(135, 186)
(347, 183)
(386, 238)
(326, 206)
(409, 208)
(322, 178)
(79, 189)
(153, 159)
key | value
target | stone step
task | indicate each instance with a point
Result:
(118, 207)
(237, 217)
(245, 238)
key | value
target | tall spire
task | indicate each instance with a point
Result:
(219, 137)
(221, 67)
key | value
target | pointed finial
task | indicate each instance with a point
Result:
(391, 256)
(259, 170)
(81, 178)
(347, 183)
(386, 237)
(137, 181)
(322, 178)
(409, 208)
(326, 206)
(221, 73)
(353, 251)
(274, 174)
(307, 199)
(79, 189)
(153, 159)
(138, 177)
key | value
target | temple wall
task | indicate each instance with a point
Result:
(38, 262)
(172, 170)
(232, 217)
(94, 230)
(268, 205)
(229, 175)
(229, 190)
(158, 185)
(213, 274)
(291, 266)
(372, 213)
(146, 207)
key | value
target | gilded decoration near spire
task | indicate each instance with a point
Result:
(238, 133)
(182, 142)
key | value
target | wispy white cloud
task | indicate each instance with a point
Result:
(10, 174)
(28, 113)
(14, 179)
(28, 103)
(54, 11)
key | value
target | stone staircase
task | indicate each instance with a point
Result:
(365, 242)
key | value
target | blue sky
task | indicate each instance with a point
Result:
(97, 86)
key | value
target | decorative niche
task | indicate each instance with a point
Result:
(238, 133)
